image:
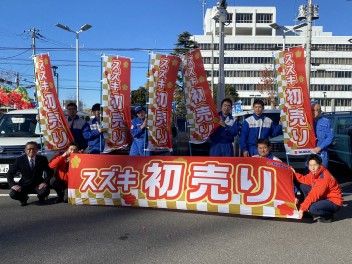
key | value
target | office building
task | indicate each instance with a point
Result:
(250, 44)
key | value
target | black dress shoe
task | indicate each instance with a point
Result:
(325, 219)
(58, 200)
(41, 199)
(24, 202)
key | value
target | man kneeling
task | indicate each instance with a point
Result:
(60, 181)
(322, 194)
(32, 167)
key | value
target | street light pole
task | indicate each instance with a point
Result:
(56, 74)
(324, 102)
(83, 28)
(285, 30)
(77, 70)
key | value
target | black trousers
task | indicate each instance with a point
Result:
(60, 187)
(324, 208)
(25, 190)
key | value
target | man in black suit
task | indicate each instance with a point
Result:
(31, 166)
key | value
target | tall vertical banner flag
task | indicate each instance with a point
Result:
(299, 137)
(53, 123)
(161, 84)
(116, 101)
(202, 115)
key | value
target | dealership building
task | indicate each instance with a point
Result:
(250, 43)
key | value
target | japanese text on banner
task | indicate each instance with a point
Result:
(53, 124)
(161, 84)
(247, 186)
(116, 102)
(293, 91)
(202, 115)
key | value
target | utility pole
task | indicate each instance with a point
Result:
(35, 33)
(309, 41)
(221, 17)
(17, 79)
(308, 13)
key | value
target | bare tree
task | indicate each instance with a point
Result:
(267, 86)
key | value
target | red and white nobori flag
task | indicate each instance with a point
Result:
(202, 114)
(296, 116)
(161, 85)
(116, 102)
(53, 124)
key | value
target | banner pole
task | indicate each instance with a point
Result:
(278, 100)
(146, 103)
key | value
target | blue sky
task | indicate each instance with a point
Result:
(131, 27)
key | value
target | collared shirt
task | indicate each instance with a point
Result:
(29, 160)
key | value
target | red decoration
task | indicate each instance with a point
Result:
(13, 99)
(129, 198)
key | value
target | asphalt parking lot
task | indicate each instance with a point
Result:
(63, 233)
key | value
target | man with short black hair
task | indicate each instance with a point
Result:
(322, 193)
(94, 132)
(264, 149)
(256, 127)
(223, 137)
(60, 180)
(75, 123)
(139, 131)
(32, 168)
(323, 132)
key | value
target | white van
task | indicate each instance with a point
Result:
(16, 129)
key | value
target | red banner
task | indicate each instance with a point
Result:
(202, 114)
(296, 116)
(161, 85)
(116, 102)
(53, 124)
(247, 186)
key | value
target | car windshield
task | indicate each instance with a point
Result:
(18, 125)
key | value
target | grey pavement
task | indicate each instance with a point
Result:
(63, 233)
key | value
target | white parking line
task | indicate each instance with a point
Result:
(34, 195)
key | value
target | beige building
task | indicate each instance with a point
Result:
(250, 44)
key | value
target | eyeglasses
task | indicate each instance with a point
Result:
(31, 149)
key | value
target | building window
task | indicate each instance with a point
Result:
(244, 18)
(264, 18)
(229, 18)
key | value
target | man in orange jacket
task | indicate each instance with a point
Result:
(60, 180)
(321, 191)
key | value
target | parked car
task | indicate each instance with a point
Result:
(16, 129)
(184, 148)
(340, 151)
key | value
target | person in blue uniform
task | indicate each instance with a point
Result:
(323, 132)
(75, 123)
(264, 150)
(255, 127)
(93, 132)
(223, 137)
(139, 133)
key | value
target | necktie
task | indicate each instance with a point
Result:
(32, 164)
